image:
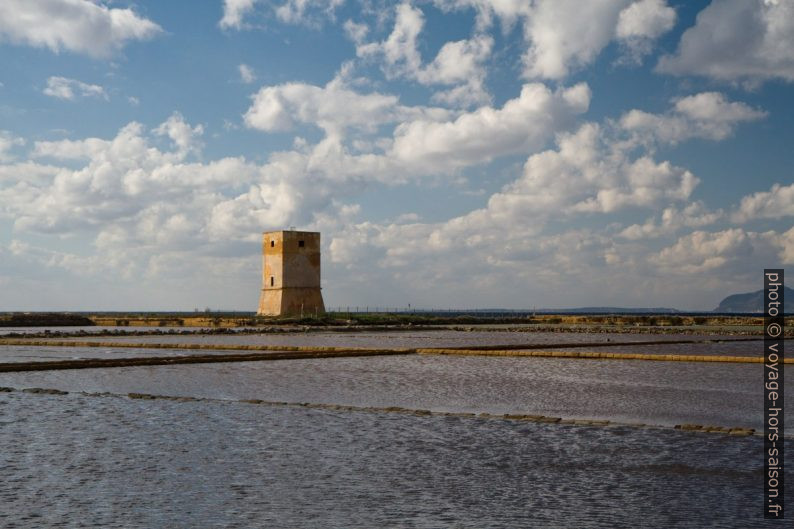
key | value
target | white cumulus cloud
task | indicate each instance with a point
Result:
(645, 19)
(776, 203)
(7, 142)
(729, 252)
(567, 34)
(591, 173)
(247, 74)
(588, 173)
(641, 23)
(64, 88)
(306, 12)
(562, 36)
(460, 63)
(425, 140)
(737, 40)
(673, 219)
(332, 107)
(185, 137)
(80, 26)
(234, 11)
(708, 115)
(521, 124)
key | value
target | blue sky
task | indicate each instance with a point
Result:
(453, 153)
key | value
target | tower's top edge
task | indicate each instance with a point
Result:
(291, 231)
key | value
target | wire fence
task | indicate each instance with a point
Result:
(368, 309)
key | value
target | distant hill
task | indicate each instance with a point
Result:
(753, 302)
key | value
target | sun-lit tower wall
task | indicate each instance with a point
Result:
(291, 274)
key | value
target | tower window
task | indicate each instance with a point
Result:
(272, 280)
(300, 244)
(272, 243)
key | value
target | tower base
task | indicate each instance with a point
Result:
(290, 301)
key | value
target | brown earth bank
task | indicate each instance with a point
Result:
(44, 319)
(297, 329)
(222, 323)
(361, 318)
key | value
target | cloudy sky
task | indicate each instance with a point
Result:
(453, 153)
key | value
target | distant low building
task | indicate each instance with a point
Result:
(291, 274)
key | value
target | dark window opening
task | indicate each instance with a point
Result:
(272, 244)
(300, 243)
(272, 280)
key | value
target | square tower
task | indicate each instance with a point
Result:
(290, 274)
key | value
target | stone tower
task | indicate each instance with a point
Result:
(290, 274)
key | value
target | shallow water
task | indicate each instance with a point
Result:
(416, 338)
(27, 353)
(79, 461)
(109, 461)
(661, 393)
(729, 345)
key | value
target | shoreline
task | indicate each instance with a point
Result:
(756, 331)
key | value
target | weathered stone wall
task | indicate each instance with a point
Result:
(291, 274)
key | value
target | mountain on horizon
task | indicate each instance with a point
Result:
(753, 302)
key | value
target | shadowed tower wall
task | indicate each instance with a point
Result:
(291, 274)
